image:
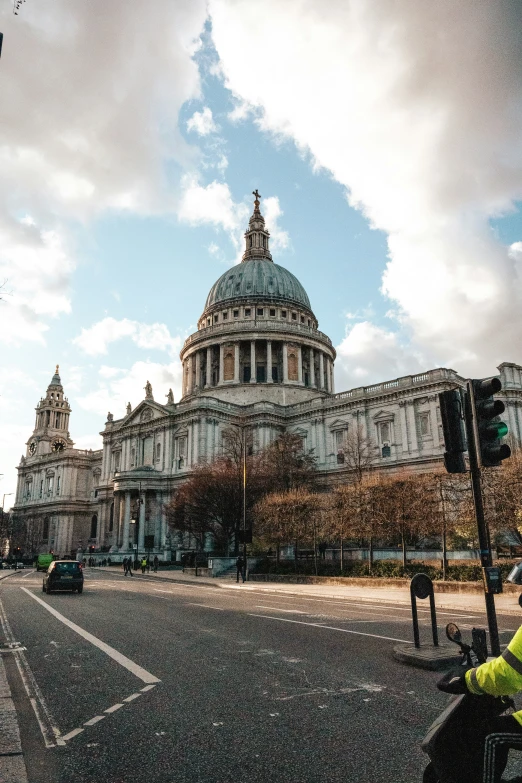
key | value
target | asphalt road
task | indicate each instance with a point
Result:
(143, 679)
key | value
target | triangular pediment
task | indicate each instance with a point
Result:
(300, 431)
(339, 424)
(145, 412)
(384, 415)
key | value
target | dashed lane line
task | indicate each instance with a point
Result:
(204, 606)
(278, 609)
(134, 668)
(330, 628)
(107, 712)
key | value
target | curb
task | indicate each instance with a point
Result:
(11, 754)
(427, 656)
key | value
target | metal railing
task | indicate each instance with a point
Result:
(253, 324)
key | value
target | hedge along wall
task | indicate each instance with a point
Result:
(457, 571)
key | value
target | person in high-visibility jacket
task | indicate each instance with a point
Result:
(500, 677)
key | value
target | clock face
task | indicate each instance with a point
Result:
(32, 447)
(57, 446)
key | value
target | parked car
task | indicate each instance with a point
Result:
(19, 565)
(63, 575)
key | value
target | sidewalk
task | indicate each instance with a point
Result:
(506, 603)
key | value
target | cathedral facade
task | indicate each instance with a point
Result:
(257, 361)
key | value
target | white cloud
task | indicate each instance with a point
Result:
(369, 354)
(213, 204)
(83, 131)
(202, 122)
(127, 385)
(96, 339)
(416, 109)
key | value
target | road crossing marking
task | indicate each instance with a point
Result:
(95, 720)
(204, 606)
(108, 711)
(134, 668)
(114, 707)
(72, 734)
(330, 628)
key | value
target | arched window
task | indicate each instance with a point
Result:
(45, 532)
(94, 526)
(158, 452)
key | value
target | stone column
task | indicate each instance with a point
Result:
(312, 368)
(253, 374)
(210, 439)
(157, 528)
(285, 362)
(163, 517)
(299, 365)
(321, 370)
(236, 363)
(190, 385)
(116, 532)
(412, 426)
(209, 368)
(433, 420)
(195, 441)
(404, 426)
(126, 522)
(221, 364)
(269, 361)
(332, 377)
(197, 357)
(141, 531)
(327, 367)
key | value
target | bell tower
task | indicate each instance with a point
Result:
(51, 430)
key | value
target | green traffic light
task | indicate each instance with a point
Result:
(502, 429)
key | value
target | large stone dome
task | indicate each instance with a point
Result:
(259, 278)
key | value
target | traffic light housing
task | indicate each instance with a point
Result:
(451, 413)
(489, 427)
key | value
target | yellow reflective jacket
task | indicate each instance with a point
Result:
(501, 677)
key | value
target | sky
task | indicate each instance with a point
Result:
(385, 139)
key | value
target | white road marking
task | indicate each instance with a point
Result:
(217, 608)
(72, 734)
(147, 688)
(331, 628)
(132, 697)
(157, 590)
(95, 720)
(113, 708)
(50, 731)
(138, 671)
(277, 609)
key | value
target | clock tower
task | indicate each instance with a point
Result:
(51, 430)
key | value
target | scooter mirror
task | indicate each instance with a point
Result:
(453, 633)
(520, 599)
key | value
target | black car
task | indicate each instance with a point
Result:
(63, 575)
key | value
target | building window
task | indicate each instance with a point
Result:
(41, 488)
(385, 433)
(95, 493)
(111, 518)
(94, 526)
(216, 318)
(117, 461)
(424, 424)
(236, 313)
(208, 321)
(45, 531)
(302, 319)
(308, 322)
(133, 457)
(294, 316)
(247, 312)
(27, 493)
(386, 451)
(272, 312)
(58, 485)
(158, 452)
(181, 452)
(57, 419)
(225, 316)
(50, 482)
(283, 313)
(260, 311)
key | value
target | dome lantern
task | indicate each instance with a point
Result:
(257, 238)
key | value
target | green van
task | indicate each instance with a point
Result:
(43, 562)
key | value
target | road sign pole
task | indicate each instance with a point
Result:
(486, 558)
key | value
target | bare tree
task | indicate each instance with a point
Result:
(357, 452)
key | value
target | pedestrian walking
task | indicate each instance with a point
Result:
(143, 564)
(148, 565)
(155, 563)
(125, 563)
(240, 568)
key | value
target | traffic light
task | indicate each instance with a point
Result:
(451, 413)
(490, 428)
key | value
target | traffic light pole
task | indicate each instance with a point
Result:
(486, 558)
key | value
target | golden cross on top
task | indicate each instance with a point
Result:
(256, 194)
